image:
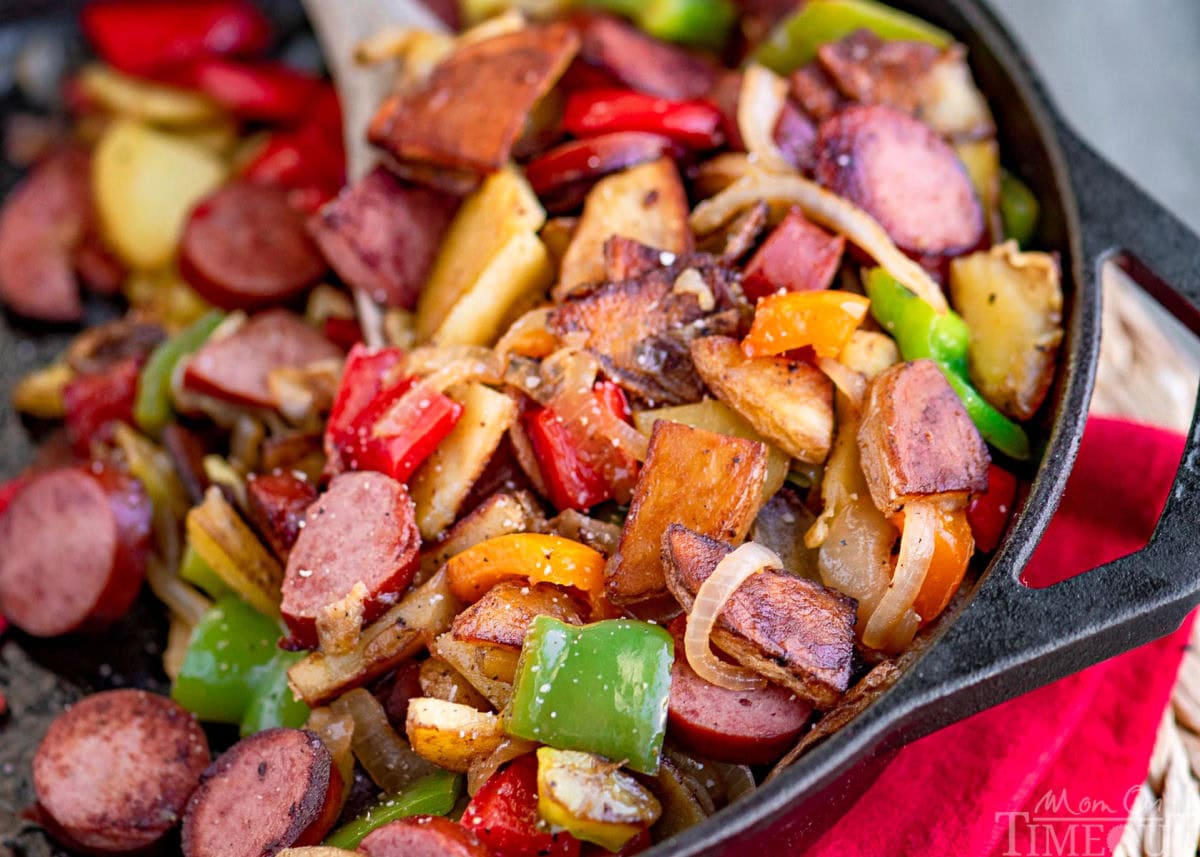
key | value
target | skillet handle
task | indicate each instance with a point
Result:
(1011, 639)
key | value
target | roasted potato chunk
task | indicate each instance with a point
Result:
(450, 735)
(792, 630)
(498, 515)
(502, 616)
(442, 681)
(869, 352)
(790, 403)
(646, 203)
(1012, 302)
(488, 669)
(916, 439)
(711, 483)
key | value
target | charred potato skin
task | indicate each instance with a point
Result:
(502, 616)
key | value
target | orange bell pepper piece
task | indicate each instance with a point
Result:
(952, 549)
(531, 556)
(825, 320)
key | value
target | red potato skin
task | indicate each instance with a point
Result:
(245, 246)
(276, 503)
(73, 548)
(235, 368)
(362, 529)
(422, 836)
(742, 727)
(41, 223)
(115, 771)
(275, 789)
(798, 256)
(905, 176)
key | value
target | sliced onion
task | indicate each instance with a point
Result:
(482, 769)
(179, 639)
(828, 210)
(730, 573)
(370, 320)
(336, 731)
(891, 626)
(760, 102)
(388, 759)
(528, 336)
(183, 600)
(850, 383)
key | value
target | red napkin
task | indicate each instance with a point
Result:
(1054, 771)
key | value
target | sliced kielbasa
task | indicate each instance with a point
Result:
(642, 62)
(115, 771)
(73, 548)
(276, 503)
(246, 246)
(422, 836)
(236, 368)
(798, 256)
(41, 223)
(270, 791)
(362, 529)
(902, 174)
(745, 727)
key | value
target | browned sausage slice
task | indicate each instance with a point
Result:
(363, 529)
(73, 550)
(276, 503)
(236, 368)
(382, 235)
(422, 836)
(41, 222)
(641, 62)
(273, 790)
(904, 175)
(740, 726)
(245, 246)
(115, 771)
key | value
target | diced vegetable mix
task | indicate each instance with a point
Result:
(439, 516)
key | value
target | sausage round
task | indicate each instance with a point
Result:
(276, 503)
(422, 836)
(902, 174)
(115, 771)
(236, 368)
(245, 246)
(73, 548)
(363, 528)
(270, 791)
(743, 727)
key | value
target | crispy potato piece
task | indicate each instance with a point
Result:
(489, 669)
(711, 483)
(639, 331)
(1012, 301)
(982, 160)
(443, 482)
(556, 234)
(472, 108)
(395, 636)
(916, 439)
(502, 616)
(442, 681)
(869, 352)
(578, 527)
(794, 631)
(498, 515)
(790, 403)
(450, 735)
(646, 203)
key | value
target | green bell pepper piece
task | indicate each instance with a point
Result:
(232, 661)
(435, 794)
(921, 332)
(703, 23)
(600, 688)
(199, 573)
(152, 407)
(795, 40)
(1018, 208)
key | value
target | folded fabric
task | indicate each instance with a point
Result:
(1054, 771)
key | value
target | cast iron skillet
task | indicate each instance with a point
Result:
(1004, 640)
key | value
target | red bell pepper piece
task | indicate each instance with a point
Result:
(696, 124)
(93, 402)
(593, 158)
(577, 477)
(504, 815)
(364, 376)
(988, 513)
(402, 428)
(264, 91)
(798, 256)
(641, 842)
(144, 36)
(343, 332)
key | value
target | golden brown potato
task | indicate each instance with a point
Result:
(503, 615)
(916, 439)
(711, 483)
(1012, 301)
(442, 681)
(794, 631)
(498, 515)
(489, 669)
(869, 352)
(443, 482)
(790, 403)
(646, 203)
(450, 735)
